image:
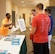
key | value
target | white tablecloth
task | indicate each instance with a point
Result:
(13, 49)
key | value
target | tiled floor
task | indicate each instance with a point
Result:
(30, 53)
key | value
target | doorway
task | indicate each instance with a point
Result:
(23, 16)
(13, 18)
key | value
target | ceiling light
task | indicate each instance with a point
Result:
(22, 1)
(37, 1)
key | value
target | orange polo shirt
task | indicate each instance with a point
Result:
(3, 29)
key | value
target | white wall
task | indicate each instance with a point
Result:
(47, 3)
(9, 6)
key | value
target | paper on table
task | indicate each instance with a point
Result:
(22, 25)
(6, 45)
(14, 28)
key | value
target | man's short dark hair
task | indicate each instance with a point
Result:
(40, 6)
(33, 10)
(48, 10)
(7, 14)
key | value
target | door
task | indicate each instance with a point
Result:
(24, 16)
(13, 18)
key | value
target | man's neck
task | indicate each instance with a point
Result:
(40, 12)
(7, 18)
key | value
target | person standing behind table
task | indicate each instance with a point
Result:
(6, 25)
(48, 12)
(33, 12)
(39, 32)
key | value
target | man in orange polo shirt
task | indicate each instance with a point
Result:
(5, 25)
(39, 32)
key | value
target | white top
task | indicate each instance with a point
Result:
(12, 49)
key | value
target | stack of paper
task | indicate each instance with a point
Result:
(9, 38)
(15, 41)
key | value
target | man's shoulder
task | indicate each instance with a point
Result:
(4, 20)
(51, 17)
(36, 17)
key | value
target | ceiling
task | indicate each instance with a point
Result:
(28, 3)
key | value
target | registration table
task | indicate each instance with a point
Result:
(14, 49)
